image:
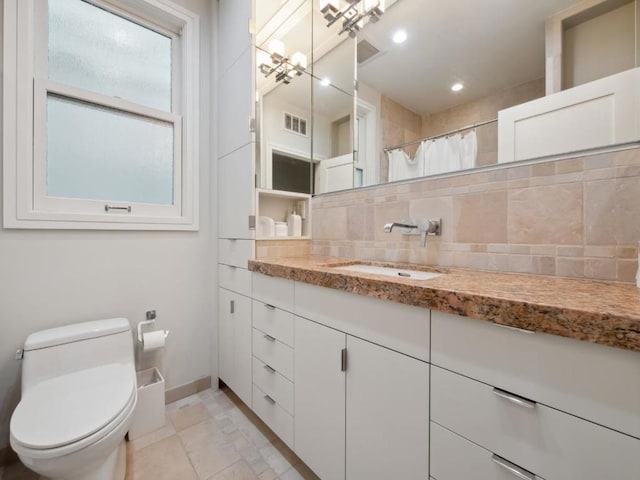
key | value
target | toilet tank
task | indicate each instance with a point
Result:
(57, 351)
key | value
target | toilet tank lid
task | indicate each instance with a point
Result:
(75, 332)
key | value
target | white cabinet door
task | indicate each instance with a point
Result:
(234, 342)
(225, 336)
(319, 385)
(387, 414)
(236, 193)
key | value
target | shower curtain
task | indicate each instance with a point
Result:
(441, 155)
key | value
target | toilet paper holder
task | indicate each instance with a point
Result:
(151, 320)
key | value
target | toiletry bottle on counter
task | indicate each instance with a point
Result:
(294, 224)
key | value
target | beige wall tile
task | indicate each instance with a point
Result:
(626, 270)
(551, 214)
(601, 268)
(570, 267)
(480, 218)
(544, 265)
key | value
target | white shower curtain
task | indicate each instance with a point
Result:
(449, 154)
(403, 167)
(445, 154)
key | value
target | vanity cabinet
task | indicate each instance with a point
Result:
(273, 354)
(361, 409)
(537, 404)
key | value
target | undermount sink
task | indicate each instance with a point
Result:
(388, 271)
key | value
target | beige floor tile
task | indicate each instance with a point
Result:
(154, 436)
(238, 471)
(163, 460)
(188, 416)
(209, 448)
(268, 475)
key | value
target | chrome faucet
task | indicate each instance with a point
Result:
(425, 227)
(388, 228)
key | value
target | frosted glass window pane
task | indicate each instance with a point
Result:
(96, 50)
(95, 153)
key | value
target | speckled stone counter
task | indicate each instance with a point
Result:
(600, 312)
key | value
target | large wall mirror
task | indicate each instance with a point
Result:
(432, 78)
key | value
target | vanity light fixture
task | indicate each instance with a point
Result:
(352, 13)
(275, 61)
(456, 87)
(400, 36)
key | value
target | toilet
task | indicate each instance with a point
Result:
(78, 395)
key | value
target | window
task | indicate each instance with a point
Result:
(103, 129)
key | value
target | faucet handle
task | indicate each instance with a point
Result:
(434, 226)
(388, 227)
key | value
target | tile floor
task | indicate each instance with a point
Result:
(208, 436)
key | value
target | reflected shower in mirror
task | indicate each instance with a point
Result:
(437, 74)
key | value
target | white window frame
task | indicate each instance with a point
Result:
(25, 92)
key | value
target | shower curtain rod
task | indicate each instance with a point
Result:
(457, 130)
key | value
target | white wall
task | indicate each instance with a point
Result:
(52, 278)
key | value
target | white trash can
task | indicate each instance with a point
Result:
(149, 412)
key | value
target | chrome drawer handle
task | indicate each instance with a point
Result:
(509, 327)
(270, 338)
(513, 398)
(270, 307)
(269, 369)
(514, 469)
(269, 399)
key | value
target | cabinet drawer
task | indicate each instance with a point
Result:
(273, 384)
(599, 383)
(273, 291)
(400, 327)
(550, 443)
(455, 458)
(273, 321)
(235, 252)
(273, 415)
(235, 279)
(274, 353)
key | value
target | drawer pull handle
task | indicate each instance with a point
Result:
(521, 330)
(514, 469)
(270, 307)
(270, 338)
(269, 369)
(269, 399)
(513, 398)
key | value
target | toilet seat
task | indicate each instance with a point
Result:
(64, 414)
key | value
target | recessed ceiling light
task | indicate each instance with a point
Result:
(325, 82)
(456, 87)
(400, 36)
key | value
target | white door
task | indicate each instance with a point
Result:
(234, 342)
(334, 174)
(387, 414)
(236, 190)
(320, 399)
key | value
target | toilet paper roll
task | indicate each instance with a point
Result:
(153, 340)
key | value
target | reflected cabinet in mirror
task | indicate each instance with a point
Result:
(442, 86)
(305, 99)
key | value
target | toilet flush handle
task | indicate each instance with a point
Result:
(19, 354)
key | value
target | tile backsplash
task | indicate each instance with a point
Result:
(577, 217)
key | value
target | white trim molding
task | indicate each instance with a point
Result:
(25, 92)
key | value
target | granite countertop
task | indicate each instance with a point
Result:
(607, 313)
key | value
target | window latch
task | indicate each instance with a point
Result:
(108, 208)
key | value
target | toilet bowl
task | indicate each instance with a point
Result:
(78, 395)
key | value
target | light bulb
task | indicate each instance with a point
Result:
(299, 60)
(276, 47)
(456, 87)
(325, 82)
(263, 58)
(400, 36)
